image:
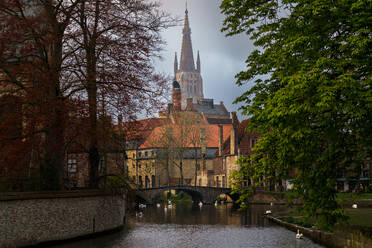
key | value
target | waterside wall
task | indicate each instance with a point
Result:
(38, 217)
(347, 237)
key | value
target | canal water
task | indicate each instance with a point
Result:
(189, 226)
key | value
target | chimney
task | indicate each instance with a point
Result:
(220, 140)
(169, 109)
(233, 138)
(176, 95)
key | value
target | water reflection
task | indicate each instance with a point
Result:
(187, 225)
(192, 214)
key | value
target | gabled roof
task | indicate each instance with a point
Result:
(208, 110)
(139, 130)
(244, 138)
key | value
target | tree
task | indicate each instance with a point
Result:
(179, 134)
(195, 137)
(58, 53)
(311, 98)
(116, 40)
(30, 67)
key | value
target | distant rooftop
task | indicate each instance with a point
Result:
(207, 107)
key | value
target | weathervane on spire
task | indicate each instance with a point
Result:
(186, 7)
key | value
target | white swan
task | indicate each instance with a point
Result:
(299, 235)
(268, 212)
(158, 205)
(354, 206)
(200, 204)
(215, 203)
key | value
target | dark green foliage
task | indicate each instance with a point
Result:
(311, 99)
(298, 221)
(369, 189)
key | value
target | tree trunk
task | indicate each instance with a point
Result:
(196, 165)
(52, 165)
(93, 142)
(181, 171)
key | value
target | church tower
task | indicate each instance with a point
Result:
(186, 74)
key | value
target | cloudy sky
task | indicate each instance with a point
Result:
(221, 57)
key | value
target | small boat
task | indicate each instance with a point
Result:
(268, 212)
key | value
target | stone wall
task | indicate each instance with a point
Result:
(350, 237)
(33, 218)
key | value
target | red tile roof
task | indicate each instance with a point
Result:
(157, 136)
(139, 130)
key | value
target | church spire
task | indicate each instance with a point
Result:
(187, 58)
(175, 64)
(198, 63)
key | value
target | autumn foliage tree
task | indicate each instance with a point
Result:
(30, 68)
(55, 54)
(115, 41)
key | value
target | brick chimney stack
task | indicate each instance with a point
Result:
(233, 137)
(220, 140)
(176, 95)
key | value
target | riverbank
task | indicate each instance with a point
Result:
(345, 236)
(33, 218)
(186, 225)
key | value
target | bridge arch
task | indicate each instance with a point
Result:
(196, 195)
(205, 194)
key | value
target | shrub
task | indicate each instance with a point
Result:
(369, 189)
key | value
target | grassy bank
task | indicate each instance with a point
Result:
(354, 196)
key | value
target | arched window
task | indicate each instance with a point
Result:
(147, 182)
(153, 182)
(140, 181)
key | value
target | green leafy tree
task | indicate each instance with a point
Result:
(312, 98)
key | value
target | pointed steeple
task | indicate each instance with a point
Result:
(187, 58)
(198, 63)
(175, 64)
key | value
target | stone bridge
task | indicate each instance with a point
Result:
(204, 194)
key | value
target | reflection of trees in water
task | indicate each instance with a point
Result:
(185, 213)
